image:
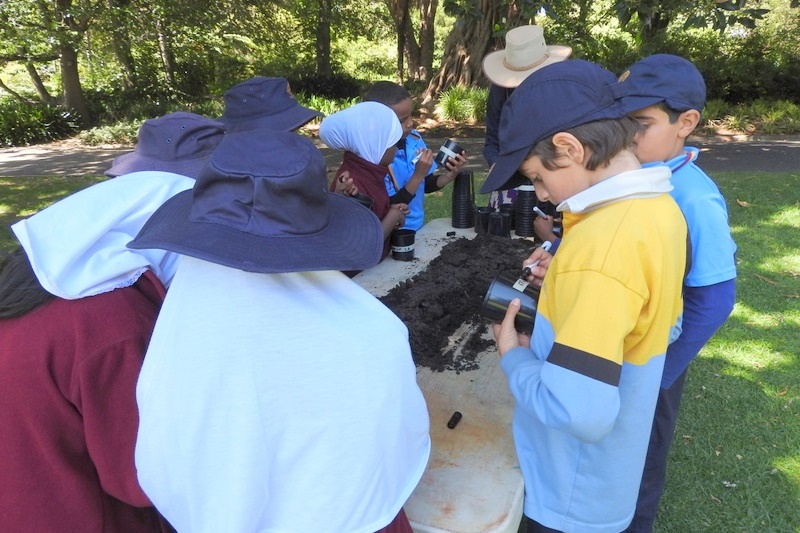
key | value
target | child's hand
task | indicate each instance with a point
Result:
(424, 161)
(537, 272)
(397, 214)
(505, 335)
(345, 185)
(453, 165)
(543, 228)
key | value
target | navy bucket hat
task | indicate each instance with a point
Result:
(262, 102)
(662, 78)
(178, 142)
(556, 98)
(256, 212)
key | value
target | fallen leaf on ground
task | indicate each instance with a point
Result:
(743, 203)
(762, 278)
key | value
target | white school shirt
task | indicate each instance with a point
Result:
(278, 403)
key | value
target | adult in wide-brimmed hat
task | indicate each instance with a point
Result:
(277, 395)
(263, 102)
(525, 52)
(179, 142)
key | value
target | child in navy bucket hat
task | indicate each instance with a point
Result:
(585, 380)
(259, 409)
(178, 142)
(667, 93)
(264, 102)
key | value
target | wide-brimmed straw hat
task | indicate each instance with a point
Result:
(262, 102)
(261, 205)
(178, 142)
(526, 51)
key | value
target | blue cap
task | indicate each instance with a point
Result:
(661, 78)
(556, 98)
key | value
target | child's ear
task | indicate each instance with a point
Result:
(688, 121)
(567, 145)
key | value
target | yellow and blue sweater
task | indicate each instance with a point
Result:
(586, 389)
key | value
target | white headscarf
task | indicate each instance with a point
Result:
(77, 246)
(367, 129)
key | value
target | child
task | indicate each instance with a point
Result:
(178, 142)
(262, 410)
(586, 381)
(666, 93)
(525, 52)
(413, 163)
(263, 102)
(368, 133)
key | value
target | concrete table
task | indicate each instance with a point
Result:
(473, 482)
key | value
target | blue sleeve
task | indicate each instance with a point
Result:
(705, 309)
(494, 105)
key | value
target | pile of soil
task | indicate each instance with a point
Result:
(441, 305)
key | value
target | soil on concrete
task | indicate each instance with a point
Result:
(441, 305)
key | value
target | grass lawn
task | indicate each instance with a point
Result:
(735, 462)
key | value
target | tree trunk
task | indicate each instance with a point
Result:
(71, 84)
(469, 41)
(471, 38)
(44, 96)
(121, 41)
(323, 43)
(165, 48)
(427, 9)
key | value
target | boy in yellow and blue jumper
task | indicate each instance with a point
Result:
(666, 93)
(585, 382)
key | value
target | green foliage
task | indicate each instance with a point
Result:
(118, 133)
(463, 104)
(24, 124)
(325, 105)
(761, 116)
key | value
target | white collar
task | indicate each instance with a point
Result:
(77, 246)
(639, 183)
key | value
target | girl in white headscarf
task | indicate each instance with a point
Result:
(368, 133)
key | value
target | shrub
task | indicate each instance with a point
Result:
(464, 104)
(119, 133)
(23, 124)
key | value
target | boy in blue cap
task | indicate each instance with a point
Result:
(586, 381)
(666, 93)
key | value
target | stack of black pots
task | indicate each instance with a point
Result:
(523, 211)
(463, 208)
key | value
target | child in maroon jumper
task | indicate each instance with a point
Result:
(368, 133)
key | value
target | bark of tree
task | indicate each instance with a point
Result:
(469, 41)
(165, 49)
(71, 84)
(416, 51)
(323, 38)
(44, 96)
(121, 42)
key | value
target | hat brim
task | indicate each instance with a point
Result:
(635, 103)
(352, 240)
(135, 162)
(503, 174)
(288, 120)
(499, 74)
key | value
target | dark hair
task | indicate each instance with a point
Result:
(20, 290)
(603, 138)
(672, 114)
(386, 92)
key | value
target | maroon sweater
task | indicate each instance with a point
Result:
(68, 416)
(368, 177)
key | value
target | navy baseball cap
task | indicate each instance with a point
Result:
(661, 78)
(556, 98)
